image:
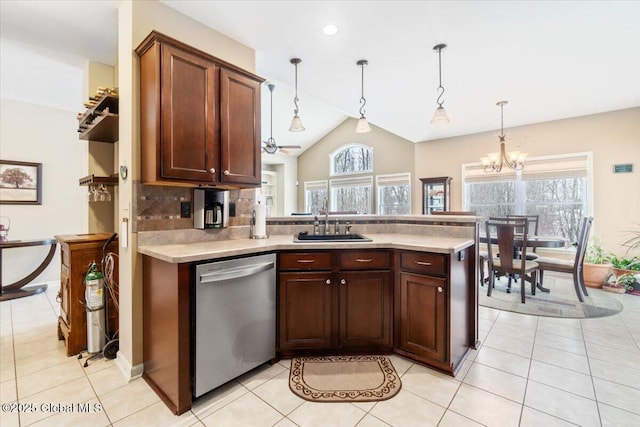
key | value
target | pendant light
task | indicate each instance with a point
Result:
(494, 162)
(269, 146)
(363, 124)
(296, 123)
(440, 116)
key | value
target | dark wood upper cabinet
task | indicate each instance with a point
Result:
(199, 117)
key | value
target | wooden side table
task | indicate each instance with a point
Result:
(16, 289)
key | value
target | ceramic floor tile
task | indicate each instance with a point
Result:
(9, 418)
(88, 413)
(535, 418)
(70, 393)
(562, 359)
(406, 409)
(544, 322)
(285, 422)
(371, 421)
(615, 417)
(495, 381)
(485, 408)
(157, 415)
(7, 370)
(562, 378)
(516, 331)
(209, 403)
(561, 330)
(48, 377)
(488, 313)
(518, 320)
(31, 364)
(128, 399)
(248, 410)
(504, 361)
(617, 395)
(311, 414)
(429, 384)
(286, 363)
(259, 375)
(39, 347)
(620, 341)
(464, 370)
(630, 359)
(615, 373)
(451, 419)
(105, 380)
(561, 343)
(277, 394)
(562, 404)
(485, 324)
(8, 391)
(400, 364)
(509, 344)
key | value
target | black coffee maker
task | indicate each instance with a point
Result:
(211, 208)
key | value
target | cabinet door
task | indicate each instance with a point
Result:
(365, 309)
(304, 310)
(240, 129)
(189, 121)
(64, 293)
(423, 316)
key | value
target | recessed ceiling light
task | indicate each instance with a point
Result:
(329, 29)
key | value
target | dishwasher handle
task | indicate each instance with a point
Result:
(235, 273)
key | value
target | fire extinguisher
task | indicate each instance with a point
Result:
(94, 303)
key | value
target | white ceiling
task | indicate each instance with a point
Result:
(549, 59)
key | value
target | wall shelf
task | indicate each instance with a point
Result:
(100, 180)
(100, 122)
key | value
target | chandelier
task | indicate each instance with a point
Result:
(494, 162)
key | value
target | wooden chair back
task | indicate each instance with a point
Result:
(533, 224)
(583, 238)
(506, 230)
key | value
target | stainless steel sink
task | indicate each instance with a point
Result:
(305, 237)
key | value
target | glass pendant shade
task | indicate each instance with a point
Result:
(440, 116)
(363, 125)
(296, 125)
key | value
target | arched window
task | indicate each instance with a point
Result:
(351, 159)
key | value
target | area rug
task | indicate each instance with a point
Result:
(344, 378)
(560, 302)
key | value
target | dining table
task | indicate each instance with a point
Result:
(533, 241)
(19, 289)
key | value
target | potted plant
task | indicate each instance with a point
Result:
(625, 265)
(620, 284)
(597, 265)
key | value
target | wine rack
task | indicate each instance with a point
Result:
(100, 121)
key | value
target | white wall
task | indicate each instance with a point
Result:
(41, 94)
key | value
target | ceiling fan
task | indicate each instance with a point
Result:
(269, 146)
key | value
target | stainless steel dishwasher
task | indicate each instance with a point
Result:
(235, 319)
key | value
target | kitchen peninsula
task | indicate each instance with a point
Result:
(410, 290)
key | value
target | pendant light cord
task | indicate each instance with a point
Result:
(271, 114)
(295, 99)
(363, 101)
(440, 88)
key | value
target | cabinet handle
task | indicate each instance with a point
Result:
(440, 289)
(422, 263)
(212, 170)
(363, 260)
(59, 297)
(306, 261)
(226, 172)
(343, 281)
(328, 282)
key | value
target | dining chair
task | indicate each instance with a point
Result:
(467, 213)
(532, 230)
(574, 266)
(509, 263)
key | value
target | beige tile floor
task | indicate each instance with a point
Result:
(529, 371)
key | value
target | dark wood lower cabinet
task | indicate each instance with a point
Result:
(342, 302)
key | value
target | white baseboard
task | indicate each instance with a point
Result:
(130, 372)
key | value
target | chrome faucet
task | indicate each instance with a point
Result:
(316, 225)
(336, 229)
(325, 207)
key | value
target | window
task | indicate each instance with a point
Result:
(394, 194)
(351, 159)
(351, 194)
(315, 193)
(555, 188)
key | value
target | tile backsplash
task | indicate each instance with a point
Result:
(158, 207)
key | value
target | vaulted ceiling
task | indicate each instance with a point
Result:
(549, 59)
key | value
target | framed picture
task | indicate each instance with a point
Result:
(20, 183)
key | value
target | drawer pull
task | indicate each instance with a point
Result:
(343, 281)
(363, 260)
(306, 261)
(422, 263)
(440, 289)
(226, 172)
(328, 282)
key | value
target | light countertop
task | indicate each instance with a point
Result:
(176, 253)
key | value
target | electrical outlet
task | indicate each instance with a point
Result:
(185, 209)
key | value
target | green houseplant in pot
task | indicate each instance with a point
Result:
(597, 265)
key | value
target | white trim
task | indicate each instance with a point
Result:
(128, 371)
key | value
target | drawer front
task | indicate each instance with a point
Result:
(365, 260)
(305, 261)
(65, 255)
(424, 263)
